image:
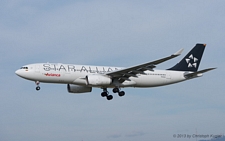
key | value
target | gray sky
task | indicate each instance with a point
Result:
(112, 33)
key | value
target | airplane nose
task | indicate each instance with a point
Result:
(17, 72)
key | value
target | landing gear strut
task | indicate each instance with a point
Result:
(38, 87)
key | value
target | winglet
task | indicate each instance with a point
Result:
(178, 52)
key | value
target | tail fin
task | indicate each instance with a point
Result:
(192, 60)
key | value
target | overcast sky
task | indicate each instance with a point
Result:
(111, 33)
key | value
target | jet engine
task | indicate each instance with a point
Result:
(78, 89)
(97, 80)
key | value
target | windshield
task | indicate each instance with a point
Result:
(24, 68)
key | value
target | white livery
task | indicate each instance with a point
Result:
(81, 78)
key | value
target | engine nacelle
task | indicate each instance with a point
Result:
(78, 89)
(97, 80)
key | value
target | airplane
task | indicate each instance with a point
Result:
(81, 78)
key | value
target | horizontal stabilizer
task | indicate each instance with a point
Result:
(189, 75)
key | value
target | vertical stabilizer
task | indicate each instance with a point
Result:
(192, 60)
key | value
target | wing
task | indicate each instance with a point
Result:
(124, 74)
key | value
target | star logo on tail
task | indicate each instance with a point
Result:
(192, 61)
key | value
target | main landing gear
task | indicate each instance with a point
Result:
(105, 93)
(38, 87)
(117, 90)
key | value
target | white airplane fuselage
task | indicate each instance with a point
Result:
(75, 74)
(82, 78)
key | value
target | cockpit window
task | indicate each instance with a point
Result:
(24, 68)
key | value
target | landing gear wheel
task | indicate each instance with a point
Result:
(38, 88)
(109, 97)
(122, 93)
(103, 94)
(116, 90)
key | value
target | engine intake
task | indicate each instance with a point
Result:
(97, 80)
(78, 89)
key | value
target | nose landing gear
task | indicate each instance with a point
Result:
(38, 87)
